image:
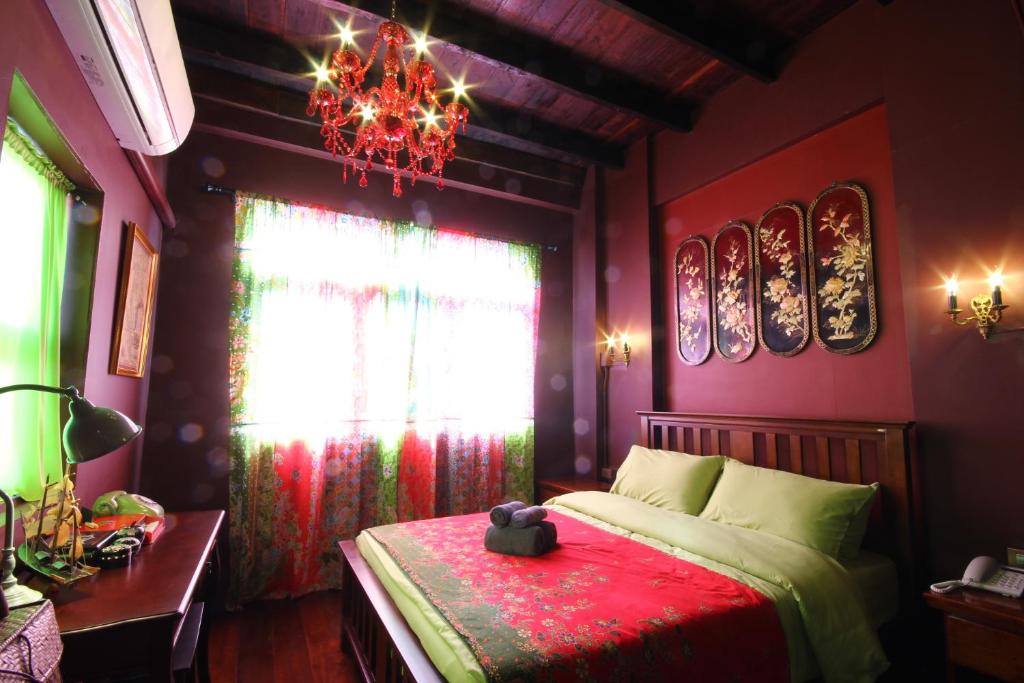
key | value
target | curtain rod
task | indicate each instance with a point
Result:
(210, 188)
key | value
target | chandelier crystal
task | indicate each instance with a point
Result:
(404, 126)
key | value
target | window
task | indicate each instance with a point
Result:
(35, 198)
(380, 371)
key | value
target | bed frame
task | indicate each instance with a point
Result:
(376, 636)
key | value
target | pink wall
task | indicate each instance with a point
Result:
(31, 43)
(951, 77)
(190, 384)
(871, 385)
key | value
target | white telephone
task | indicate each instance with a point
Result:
(985, 573)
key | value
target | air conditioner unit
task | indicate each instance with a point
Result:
(129, 54)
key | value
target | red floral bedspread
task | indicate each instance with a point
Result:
(600, 607)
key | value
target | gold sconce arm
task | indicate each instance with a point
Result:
(986, 314)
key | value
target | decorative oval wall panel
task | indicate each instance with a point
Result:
(693, 314)
(780, 273)
(844, 317)
(733, 282)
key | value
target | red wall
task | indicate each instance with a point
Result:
(873, 384)
(190, 383)
(31, 43)
(946, 196)
(627, 297)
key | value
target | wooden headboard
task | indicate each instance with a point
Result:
(853, 452)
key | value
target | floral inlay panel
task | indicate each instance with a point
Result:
(732, 252)
(845, 318)
(693, 314)
(781, 269)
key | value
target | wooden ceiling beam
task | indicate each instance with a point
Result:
(214, 84)
(264, 59)
(754, 51)
(479, 35)
(229, 120)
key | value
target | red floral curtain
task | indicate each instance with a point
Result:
(380, 372)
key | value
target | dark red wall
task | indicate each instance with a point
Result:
(951, 77)
(627, 296)
(873, 384)
(190, 385)
(31, 43)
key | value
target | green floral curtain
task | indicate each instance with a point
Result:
(33, 244)
(380, 371)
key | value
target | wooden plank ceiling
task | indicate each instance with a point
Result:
(554, 85)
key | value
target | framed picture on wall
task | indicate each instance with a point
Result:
(780, 273)
(844, 317)
(733, 302)
(134, 315)
(693, 314)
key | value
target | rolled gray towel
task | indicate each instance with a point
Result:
(501, 515)
(550, 533)
(527, 516)
(528, 542)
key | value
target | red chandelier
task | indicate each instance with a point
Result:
(389, 119)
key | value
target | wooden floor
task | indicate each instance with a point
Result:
(281, 640)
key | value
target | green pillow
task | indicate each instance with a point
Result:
(813, 512)
(669, 480)
(850, 547)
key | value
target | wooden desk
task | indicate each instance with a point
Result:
(984, 632)
(125, 621)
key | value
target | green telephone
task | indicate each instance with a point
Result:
(124, 503)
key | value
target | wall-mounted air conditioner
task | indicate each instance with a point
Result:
(128, 52)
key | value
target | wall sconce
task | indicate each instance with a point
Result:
(987, 308)
(613, 356)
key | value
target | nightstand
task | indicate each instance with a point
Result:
(549, 488)
(984, 632)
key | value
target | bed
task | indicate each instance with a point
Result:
(394, 635)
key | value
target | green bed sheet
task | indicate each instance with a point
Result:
(818, 602)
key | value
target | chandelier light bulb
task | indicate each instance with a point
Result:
(458, 89)
(420, 44)
(322, 74)
(952, 286)
(995, 279)
(345, 35)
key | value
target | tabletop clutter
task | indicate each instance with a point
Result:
(519, 529)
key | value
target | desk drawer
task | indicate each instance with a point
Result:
(985, 649)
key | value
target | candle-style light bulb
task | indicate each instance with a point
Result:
(952, 289)
(609, 340)
(995, 281)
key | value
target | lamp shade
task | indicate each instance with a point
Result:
(91, 432)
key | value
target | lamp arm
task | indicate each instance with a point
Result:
(67, 392)
(8, 558)
(8, 561)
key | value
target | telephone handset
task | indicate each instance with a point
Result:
(985, 573)
(124, 503)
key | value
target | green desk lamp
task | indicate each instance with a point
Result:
(90, 432)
